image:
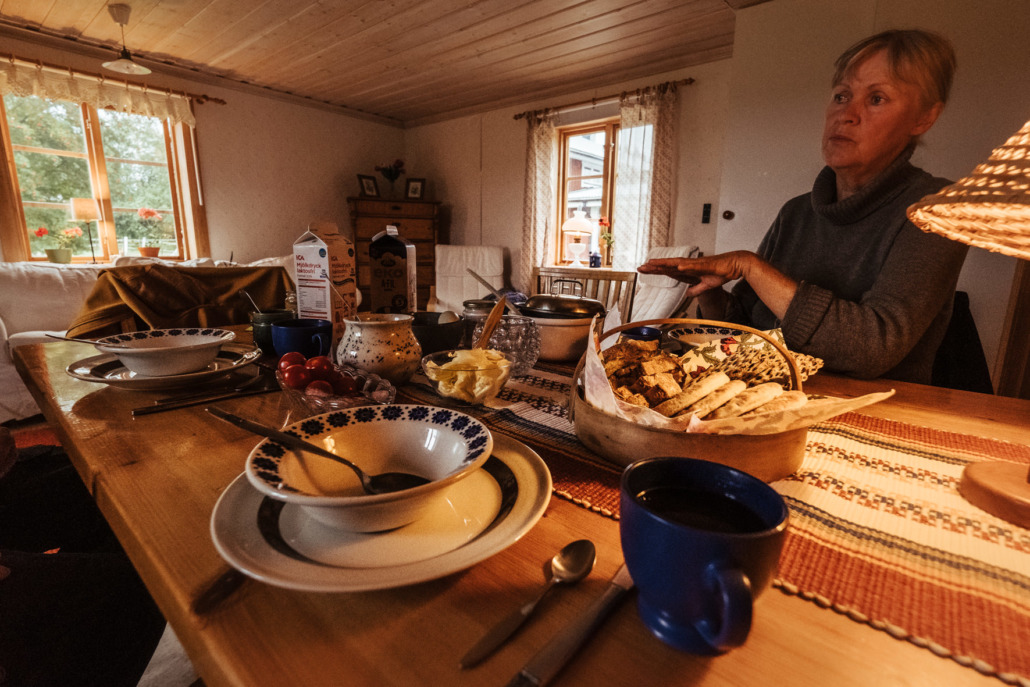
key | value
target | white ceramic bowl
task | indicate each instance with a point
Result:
(563, 339)
(166, 352)
(439, 444)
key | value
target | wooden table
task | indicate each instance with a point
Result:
(156, 479)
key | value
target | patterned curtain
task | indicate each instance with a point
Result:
(538, 212)
(644, 178)
(23, 79)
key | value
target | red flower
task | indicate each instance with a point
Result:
(41, 232)
(73, 232)
(149, 213)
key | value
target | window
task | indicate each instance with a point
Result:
(126, 163)
(587, 183)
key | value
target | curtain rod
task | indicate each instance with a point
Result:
(198, 98)
(595, 102)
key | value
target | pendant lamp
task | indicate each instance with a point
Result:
(123, 65)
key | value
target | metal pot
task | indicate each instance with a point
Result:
(561, 306)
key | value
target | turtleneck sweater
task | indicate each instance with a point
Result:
(874, 292)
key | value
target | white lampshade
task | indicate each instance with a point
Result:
(577, 225)
(84, 210)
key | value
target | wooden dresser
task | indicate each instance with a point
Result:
(416, 220)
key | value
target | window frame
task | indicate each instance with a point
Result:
(183, 176)
(610, 126)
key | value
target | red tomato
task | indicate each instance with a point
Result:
(320, 366)
(319, 387)
(291, 358)
(343, 384)
(296, 376)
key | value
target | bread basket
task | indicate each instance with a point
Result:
(768, 457)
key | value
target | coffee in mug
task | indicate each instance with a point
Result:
(701, 541)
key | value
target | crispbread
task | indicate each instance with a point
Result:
(747, 400)
(717, 398)
(692, 394)
(788, 400)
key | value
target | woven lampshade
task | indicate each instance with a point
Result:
(988, 209)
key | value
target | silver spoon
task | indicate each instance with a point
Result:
(87, 341)
(384, 483)
(571, 564)
(244, 292)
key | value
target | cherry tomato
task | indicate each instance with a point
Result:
(320, 366)
(291, 358)
(343, 384)
(319, 387)
(296, 376)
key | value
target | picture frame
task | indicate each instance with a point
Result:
(415, 189)
(368, 185)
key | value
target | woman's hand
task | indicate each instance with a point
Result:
(710, 272)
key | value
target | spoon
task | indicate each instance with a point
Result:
(384, 483)
(492, 320)
(244, 292)
(88, 341)
(571, 564)
(492, 290)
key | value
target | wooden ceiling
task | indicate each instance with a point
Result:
(407, 61)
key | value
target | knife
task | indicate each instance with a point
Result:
(552, 658)
(147, 410)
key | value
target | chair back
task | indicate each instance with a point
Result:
(454, 285)
(960, 362)
(658, 296)
(608, 286)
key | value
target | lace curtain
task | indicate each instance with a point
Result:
(25, 78)
(644, 181)
(538, 212)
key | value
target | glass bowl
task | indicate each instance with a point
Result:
(371, 389)
(519, 337)
(454, 375)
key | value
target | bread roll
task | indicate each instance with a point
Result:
(788, 400)
(717, 398)
(747, 400)
(692, 393)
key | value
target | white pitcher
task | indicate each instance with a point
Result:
(380, 343)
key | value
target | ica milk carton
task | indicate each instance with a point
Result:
(326, 285)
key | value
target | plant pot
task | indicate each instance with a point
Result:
(149, 251)
(59, 255)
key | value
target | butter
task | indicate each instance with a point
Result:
(473, 375)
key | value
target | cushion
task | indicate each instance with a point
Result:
(454, 284)
(43, 296)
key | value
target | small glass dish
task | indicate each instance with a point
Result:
(371, 390)
(473, 383)
(519, 337)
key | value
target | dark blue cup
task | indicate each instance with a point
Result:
(641, 333)
(701, 541)
(309, 337)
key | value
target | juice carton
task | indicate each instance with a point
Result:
(392, 258)
(326, 284)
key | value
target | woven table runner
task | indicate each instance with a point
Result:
(878, 530)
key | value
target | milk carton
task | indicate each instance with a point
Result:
(326, 285)
(392, 258)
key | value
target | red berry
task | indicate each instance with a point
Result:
(291, 358)
(320, 366)
(297, 376)
(319, 387)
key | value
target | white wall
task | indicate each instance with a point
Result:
(476, 165)
(268, 167)
(782, 64)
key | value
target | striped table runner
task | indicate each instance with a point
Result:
(878, 530)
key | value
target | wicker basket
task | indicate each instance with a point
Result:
(768, 457)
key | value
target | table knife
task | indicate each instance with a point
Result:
(552, 658)
(147, 410)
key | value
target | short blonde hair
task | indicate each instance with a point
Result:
(918, 57)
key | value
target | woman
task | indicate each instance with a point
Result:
(841, 270)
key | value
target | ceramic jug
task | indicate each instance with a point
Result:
(380, 343)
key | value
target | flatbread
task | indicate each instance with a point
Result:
(747, 400)
(692, 394)
(717, 398)
(788, 400)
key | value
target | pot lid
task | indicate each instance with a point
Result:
(551, 305)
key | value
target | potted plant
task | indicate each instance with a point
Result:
(391, 172)
(67, 240)
(150, 219)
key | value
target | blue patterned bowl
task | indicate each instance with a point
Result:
(166, 352)
(442, 445)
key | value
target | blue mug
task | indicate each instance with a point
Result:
(309, 337)
(701, 541)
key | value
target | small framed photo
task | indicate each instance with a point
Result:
(369, 187)
(415, 189)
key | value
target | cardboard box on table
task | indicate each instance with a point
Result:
(393, 283)
(326, 283)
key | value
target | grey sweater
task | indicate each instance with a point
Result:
(875, 292)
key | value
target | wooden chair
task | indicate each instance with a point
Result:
(609, 287)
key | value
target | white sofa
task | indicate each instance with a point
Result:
(39, 298)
